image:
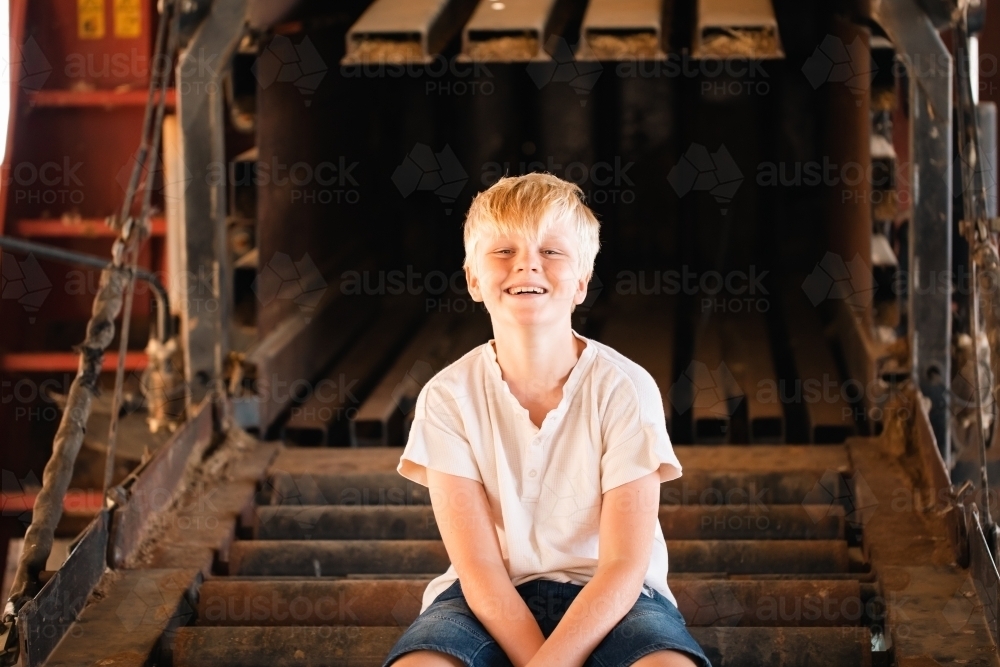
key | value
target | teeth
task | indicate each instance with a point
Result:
(523, 290)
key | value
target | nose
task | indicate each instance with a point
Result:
(529, 260)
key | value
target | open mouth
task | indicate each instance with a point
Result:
(525, 289)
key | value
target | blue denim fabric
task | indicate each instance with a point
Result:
(449, 626)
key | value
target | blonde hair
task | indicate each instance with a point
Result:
(526, 206)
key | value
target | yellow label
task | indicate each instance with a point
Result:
(128, 18)
(90, 19)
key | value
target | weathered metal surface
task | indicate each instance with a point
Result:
(920, 48)
(405, 31)
(514, 30)
(758, 556)
(368, 646)
(43, 621)
(751, 647)
(742, 28)
(205, 275)
(742, 458)
(714, 393)
(299, 347)
(753, 603)
(748, 355)
(771, 604)
(317, 559)
(762, 522)
(984, 575)
(818, 386)
(284, 647)
(625, 30)
(646, 336)
(203, 523)
(323, 417)
(443, 339)
(751, 489)
(697, 487)
(124, 627)
(304, 558)
(931, 607)
(153, 487)
(417, 522)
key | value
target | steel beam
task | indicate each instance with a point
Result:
(205, 275)
(736, 28)
(368, 646)
(513, 30)
(405, 31)
(375, 602)
(929, 68)
(324, 417)
(748, 353)
(310, 558)
(625, 30)
(381, 419)
(820, 389)
(695, 487)
(678, 522)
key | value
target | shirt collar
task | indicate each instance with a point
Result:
(569, 388)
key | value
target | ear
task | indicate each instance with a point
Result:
(473, 283)
(581, 288)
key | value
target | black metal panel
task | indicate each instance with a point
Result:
(43, 621)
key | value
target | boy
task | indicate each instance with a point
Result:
(544, 452)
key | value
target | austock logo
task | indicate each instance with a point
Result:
(27, 64)
(701, 387)
(24, 281)
(698, 170)
(836, 62)
(424, 170)
(581, 76)
(299, 282)
(833, 278)
(284, 62)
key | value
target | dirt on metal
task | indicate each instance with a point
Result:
(211, 471)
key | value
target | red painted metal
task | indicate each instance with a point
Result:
(88, 228)
(64, 362)
(96, 98)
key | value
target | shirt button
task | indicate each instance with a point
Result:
(532, 473)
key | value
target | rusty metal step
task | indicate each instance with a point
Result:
(305, 558)
(311, 646)
(752, 603)
(695, 487)
(737, 458)
(417, 522)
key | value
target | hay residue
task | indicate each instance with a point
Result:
(372, 51)
(739, 42)
(501, 49)
(624, 46)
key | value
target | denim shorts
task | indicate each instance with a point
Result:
(449, 626)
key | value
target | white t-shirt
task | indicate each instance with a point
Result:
(544, 486)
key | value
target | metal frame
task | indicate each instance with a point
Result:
(929, 66)
(205, 277)
(417, 26)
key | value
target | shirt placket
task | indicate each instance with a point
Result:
(533, 466)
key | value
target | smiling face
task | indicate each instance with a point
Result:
(529, 282)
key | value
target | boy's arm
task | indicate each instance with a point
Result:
(463, 515)
(628, 516)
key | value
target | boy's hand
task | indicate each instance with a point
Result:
(628, 522)
(465, 520)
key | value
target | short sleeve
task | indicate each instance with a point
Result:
(636, 441)
(437, 438)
